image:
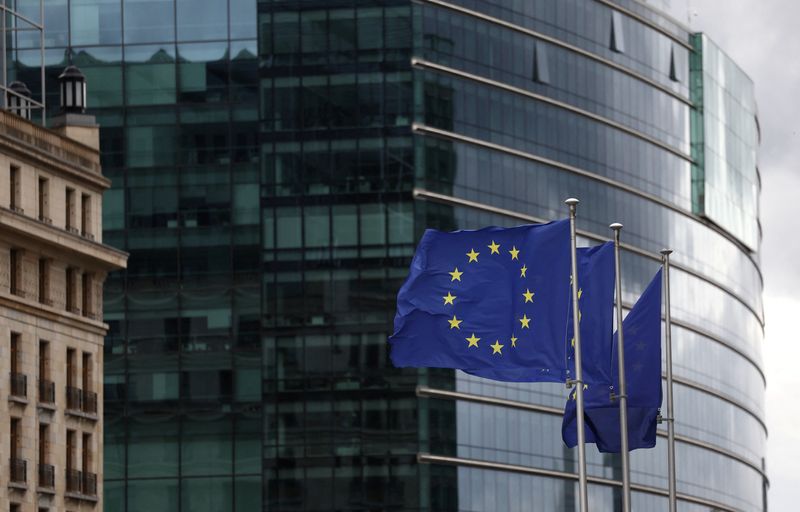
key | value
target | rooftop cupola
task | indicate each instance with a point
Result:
(73, 121)
(19, 99)
(72, 83)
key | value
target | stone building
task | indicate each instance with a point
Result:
(52, 267)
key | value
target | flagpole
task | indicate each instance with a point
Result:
(673, 507)
(622, 392)
(582, 483)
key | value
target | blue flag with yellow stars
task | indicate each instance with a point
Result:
(491, 298)
(596, 306)
(642, 329)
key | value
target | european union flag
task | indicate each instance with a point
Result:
(642, 329)
(492, 298)
(596, 305)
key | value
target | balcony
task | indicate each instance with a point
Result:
(47, 392)
(89, 484)
(74, 396)
(89, 399)
(19, 385)
(81, 484)
(74, 481)
(47, 476)
(18, 471)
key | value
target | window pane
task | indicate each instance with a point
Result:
(152, 495)
(373, 224)
(206, 447)
(345, 225)
(150, 76)
(289, 227)
(203, 72)
(243, 19)
(149, 21)
(248, 493)
(95, 22)
(155, 437)
(317, 226)
(200, 20)
(206, 494)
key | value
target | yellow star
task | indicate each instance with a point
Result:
(456, 275)
(575, 393)
(513, 341)
(494, 247)
(473, 341)
(497, 348)
(528, 295)
(522, 271)
(573, 341)
(455, 322)
(514, 253)
(473, 256)
(525, 321)
(448, 299)
(580, 292)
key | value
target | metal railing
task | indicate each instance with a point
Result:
(89, 404)
(89, 484)
(47, 391)
(18, 472)
(47, 476)
(74, 396)
(74, 479)
(19, 385)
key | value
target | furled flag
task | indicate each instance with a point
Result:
(596, 305)
(488, 299)
(642, 330)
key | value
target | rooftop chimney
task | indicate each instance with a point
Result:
(72, 121)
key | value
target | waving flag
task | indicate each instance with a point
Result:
(495, 299)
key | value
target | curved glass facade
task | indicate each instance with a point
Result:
(275, 161)
(519, 105)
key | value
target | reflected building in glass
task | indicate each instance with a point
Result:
(273, 164)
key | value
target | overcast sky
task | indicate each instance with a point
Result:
(763, 37)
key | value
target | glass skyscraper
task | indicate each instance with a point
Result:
(273, 164)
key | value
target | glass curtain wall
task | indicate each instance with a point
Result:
(273, 164)
(338, 234)
(174, 86)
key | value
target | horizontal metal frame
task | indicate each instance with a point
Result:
(424, 64)
(427, 458)
(428, 392)
(14, 13)
(557, 42)
(649, 23)
(426, 195)
(444, 134)
(33, 103)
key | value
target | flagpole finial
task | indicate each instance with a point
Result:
(571, 201)
(616, 226)
(666, 252)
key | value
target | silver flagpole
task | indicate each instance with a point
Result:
(582, 487)
(673, 506)
(623, 391)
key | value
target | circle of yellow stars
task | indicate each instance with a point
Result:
(450, 299)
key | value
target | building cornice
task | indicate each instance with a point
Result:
(28, 142)
(92, 254)
(35, 309)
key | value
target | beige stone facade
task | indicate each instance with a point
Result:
(52, 268)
